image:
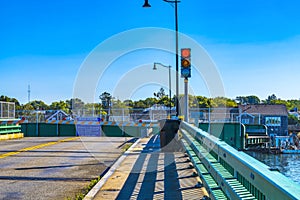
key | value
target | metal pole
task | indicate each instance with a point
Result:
(177, 57)
(170, 90)
(37, 123)
(186, 100)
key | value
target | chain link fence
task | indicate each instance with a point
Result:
(7, 110)
(117, 115)
(223, 115)
(196, 115)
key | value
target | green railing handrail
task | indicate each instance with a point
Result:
(254, 175)
(9, 126)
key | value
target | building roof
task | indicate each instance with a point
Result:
(55, 114)
(264, 109)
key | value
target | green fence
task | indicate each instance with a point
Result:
(59, 130)
(47, 130)
(232, 133)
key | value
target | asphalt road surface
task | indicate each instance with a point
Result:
(53, 168)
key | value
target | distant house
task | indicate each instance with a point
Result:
(247, 118)
(275, 117)
(56, 115)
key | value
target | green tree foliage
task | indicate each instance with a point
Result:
(193, 103)
(247, 100)
(140, 104)
(160, 94)
(75, 103)
(163, 99)
(129, 103)
(223, 102)
(38, 105)
(8, 99)
(292, 120)
(105, 98)
(27, 107)
(290, 104)
(116, 103)
(294, 103)
(271, 99)
(160, 98)
(60, 105)
(203, 102)
(150, 101)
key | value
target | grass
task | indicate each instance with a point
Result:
(81, 195)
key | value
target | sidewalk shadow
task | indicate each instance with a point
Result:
(145, 189)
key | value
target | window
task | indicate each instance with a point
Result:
(245, 121)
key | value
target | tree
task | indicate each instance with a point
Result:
(150, 101)
(38, 105)
(270, 99)
(105, 98)
(60, 105)
(292, 120)
(8, 99)
(203, 102)
(294, 104)
(140, 104)
(224, 102)
(75, 104)
(160, 94)
(27, 107)
(165, 100)
(116, 103)
(247, 100)
(193, 103)
(129, 103)
(92, 109)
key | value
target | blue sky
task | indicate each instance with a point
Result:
(254, 44)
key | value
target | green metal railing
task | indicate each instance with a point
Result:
(9, 126)
(231, 174)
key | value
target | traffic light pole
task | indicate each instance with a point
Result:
(177, 58)
(186, 100)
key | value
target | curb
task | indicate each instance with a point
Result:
(11, 136)
(93, 192)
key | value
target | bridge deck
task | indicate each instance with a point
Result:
(148, 173)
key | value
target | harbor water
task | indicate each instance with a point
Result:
(287, 164)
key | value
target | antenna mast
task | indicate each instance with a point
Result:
(28, 93)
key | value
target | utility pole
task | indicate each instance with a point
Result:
(28, 93)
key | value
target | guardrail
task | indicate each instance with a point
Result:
(10, 129)
(231, 174)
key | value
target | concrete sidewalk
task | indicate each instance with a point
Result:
(147, 173)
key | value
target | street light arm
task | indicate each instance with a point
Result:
(170, 90)
(171, 1)
(157, 63)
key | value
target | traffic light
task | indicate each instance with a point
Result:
(186, 63)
